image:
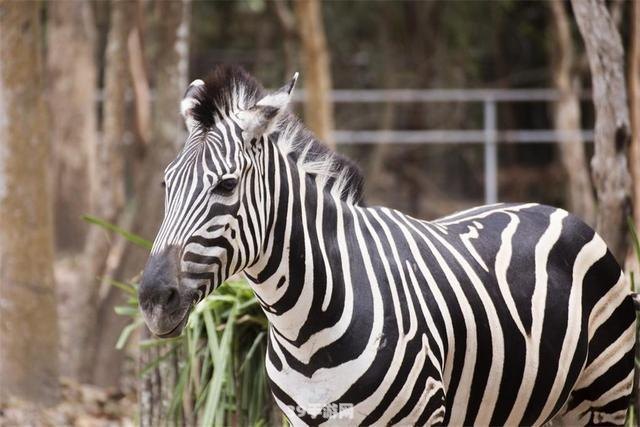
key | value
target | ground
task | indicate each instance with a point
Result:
(81, 405)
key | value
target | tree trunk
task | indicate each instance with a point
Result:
(108, 179)
(318, 109)
(108, 182)
(612, 132)
(567, 117)
(72, 98)
(28, 319)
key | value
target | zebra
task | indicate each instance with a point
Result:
(500, 314)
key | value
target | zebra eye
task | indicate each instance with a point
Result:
(163, 184)
(226, 185)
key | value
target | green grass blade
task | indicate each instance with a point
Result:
(178, 392)
(212, 335)
(635, 240)
(126, 332)
(128, 288)
(252, 349)
(221, 357)
(152, 342)
(133, 238)
(125, 310)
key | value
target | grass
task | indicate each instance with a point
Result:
(224, 344)
(221, 373)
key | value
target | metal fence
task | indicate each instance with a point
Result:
(489, 135)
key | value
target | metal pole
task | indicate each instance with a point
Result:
(490, 152)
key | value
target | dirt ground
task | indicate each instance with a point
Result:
(81, 405)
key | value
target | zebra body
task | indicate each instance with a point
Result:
(502, 314)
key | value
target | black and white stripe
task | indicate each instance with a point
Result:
(502, 314)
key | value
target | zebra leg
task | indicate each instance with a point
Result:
(603, 391)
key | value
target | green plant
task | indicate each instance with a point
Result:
(634, 411)
(221, 378)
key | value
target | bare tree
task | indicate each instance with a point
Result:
(318, 109)
(72, 96)
(567, 116)
(72, 77)
(28, 320)
(109, 175)
(108, 183)
(612, 131)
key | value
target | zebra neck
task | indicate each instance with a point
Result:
(298, 276)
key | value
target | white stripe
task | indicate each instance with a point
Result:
(538, 301)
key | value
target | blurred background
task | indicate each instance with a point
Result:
(443, 104)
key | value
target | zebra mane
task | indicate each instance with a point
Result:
(230, 88)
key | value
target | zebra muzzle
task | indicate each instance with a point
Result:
(164, 302)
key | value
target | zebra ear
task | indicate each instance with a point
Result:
(281, 97)
(189, 101)
(262, 118)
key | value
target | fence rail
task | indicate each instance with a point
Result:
(532, 136)
(440, 95)
(490, 136)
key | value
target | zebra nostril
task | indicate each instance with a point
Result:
(171, 298)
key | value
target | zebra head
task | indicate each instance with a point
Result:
(212, 201)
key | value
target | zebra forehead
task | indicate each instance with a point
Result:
(204, 159)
